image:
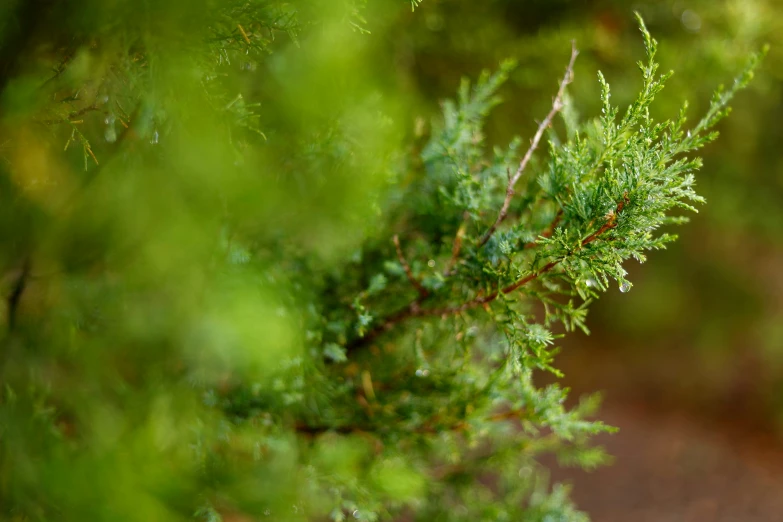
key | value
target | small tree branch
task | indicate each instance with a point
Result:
(72, 115)
(244, 34)
(312, 431)
(414, 309)
(611, 222)
(12, 302)
(557, 105)
(429, 428)
(456, 249)
(549, 231)
(408, 272)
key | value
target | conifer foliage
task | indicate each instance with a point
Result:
(234, 291)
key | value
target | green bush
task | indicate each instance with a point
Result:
(243, 281)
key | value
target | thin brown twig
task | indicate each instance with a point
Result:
(306, 429)
(244, 34)
(611, 222)
(71, 115)
(557, 105)
(83, 110)
(15, 296)
(408, 272)
(515, 413)
(456, 249)
(60, 68)
(92, 154)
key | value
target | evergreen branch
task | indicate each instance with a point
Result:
(312, 431)
(411, 310)
(15, 296)
(408, 272)
(557, 105)
(414, 309)
(71, 115)
(549, 231)
(610, 223)
(61, 67)
(244, 34)
(457, 248)
(427, 428)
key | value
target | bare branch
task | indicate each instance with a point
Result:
(557, 105)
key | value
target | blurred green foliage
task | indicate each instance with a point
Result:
(196, 205)
(710, 302)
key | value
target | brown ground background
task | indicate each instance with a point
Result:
(692, 462)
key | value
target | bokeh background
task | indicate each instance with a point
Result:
(690, 361)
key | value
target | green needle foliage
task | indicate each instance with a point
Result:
(234, 290)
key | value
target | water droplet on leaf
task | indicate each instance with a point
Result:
(625, 287)
(422, 372)
(356, 513)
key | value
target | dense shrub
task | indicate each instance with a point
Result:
(238, 286)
